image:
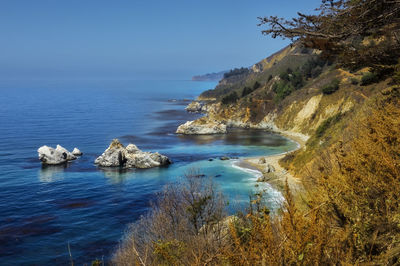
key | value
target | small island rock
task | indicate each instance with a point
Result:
(76, 152)
(70, 156)
(51, 156)
(130, 157)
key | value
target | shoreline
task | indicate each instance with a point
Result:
(277, 178)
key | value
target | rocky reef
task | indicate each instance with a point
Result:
(117, 155)
(202, 126)
(59, 155)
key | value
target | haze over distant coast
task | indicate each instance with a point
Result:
(210, 76)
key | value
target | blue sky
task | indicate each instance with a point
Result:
(135, 39)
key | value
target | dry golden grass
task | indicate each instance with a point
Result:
(353, 215)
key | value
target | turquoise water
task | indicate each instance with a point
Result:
(45, 209)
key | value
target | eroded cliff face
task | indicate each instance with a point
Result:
(300, 117)
(304, 112)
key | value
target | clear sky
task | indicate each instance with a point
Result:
(135, 39)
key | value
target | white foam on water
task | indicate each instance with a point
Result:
(256, 173)
(274, 196)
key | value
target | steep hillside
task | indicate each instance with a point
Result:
(294, 92)
(343, 104)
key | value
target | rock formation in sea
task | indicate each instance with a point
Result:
(76, 152)
(51, 156)
(201, 127)
(117, 155)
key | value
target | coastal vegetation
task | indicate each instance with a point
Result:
(338, 87)
(236, 72)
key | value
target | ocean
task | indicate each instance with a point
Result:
(45, 210)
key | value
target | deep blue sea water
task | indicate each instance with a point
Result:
(42, 210)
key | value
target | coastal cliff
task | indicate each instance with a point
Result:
(294, 92)
(337, 91)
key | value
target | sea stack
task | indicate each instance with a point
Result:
(117, 155)
(51, 156)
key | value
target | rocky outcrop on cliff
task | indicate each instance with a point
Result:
(202, 126)
(59, 155)
(117, 155)
(197, 107)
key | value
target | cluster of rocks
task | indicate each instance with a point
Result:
(117, 155)
(197, 107)
(198, 127)
(269, 168)
(263, 179)
(59, 155)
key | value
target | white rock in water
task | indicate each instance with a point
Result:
(70, 156)
(114, 155)
(201, 128)
(49, 155)
(130, 157)
(132, 148)
(77, 152)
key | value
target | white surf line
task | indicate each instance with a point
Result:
(256, 173)
(275, 195)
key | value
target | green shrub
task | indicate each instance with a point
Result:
(231, 98)
(369, 78)
(284, 76)
(316, 72)
(326, 124)
(296, 79)
(256, 85)
(247, 90)
(354, 81)
(236, 72)
(282, 90)
(331, 87)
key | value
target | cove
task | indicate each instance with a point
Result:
(43, 209)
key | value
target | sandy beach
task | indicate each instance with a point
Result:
(278, 177)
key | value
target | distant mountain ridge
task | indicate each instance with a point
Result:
(210, 76)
